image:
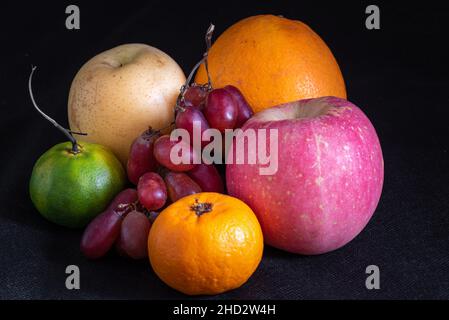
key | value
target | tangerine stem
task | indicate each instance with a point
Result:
(67, 133)
(201, 208)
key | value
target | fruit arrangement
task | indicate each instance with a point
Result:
(158, 179)
(174, 209)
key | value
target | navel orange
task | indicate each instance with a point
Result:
(273, 60)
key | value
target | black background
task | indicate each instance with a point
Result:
(398, 75)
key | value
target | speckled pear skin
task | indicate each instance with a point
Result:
(121, 92)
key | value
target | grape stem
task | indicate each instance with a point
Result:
(184, 88)
(159, 131)
(68, 133)
(209, 34)
(124, 208)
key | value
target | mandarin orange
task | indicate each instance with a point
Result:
(205, 243)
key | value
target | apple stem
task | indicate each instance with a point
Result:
(68, 133)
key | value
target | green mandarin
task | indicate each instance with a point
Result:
(70, 188)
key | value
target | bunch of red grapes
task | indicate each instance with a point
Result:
(127, 220)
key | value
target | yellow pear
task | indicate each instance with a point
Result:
(119, 93)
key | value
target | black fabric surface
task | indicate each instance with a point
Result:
(397, 75)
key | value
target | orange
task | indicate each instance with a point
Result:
(273, 60)
(205, 243)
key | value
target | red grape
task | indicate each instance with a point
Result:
(180, 185)
(162, 150)
(185, 119)
(132, 241)
(220, 110)
(104, 229)
(141, 158)
(152, 191)
(244, 109)
(195, 96)
(207, 177)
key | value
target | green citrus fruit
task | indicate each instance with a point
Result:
(70, 188)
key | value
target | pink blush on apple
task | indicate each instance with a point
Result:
(329, 178)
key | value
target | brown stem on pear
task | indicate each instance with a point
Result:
(69, 134)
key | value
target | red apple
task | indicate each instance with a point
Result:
(329, 176)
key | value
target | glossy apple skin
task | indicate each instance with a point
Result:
(329, 179)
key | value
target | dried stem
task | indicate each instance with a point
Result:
(201, 208)
(69, 134)
(184, 88)
(209, 34)
(192, 73)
